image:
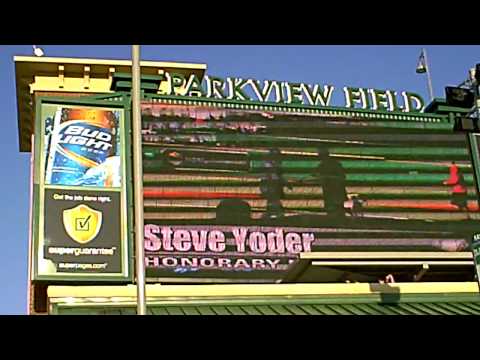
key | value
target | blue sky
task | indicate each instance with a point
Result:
(380, 67)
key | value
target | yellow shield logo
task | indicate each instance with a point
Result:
(82, 223)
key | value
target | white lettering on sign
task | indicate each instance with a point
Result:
(278, 92)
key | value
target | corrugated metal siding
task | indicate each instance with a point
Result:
(410, 308)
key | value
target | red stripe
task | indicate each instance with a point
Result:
(149, 194)
(408, 204)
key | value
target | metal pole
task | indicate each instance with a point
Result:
(475, 240)
(430, 87)
(475, 87)
(474, 155)
(138, 181)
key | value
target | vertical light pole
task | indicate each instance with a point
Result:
(138, 181)
(429, 77)
(422, 68)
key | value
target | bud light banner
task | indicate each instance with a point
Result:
(238, 194)
(83, 148)
(80, 227)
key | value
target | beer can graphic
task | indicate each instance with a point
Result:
(83, 149)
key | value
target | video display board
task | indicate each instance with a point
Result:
(238, 194)
(80, 203)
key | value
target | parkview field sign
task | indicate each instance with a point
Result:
(282, 92)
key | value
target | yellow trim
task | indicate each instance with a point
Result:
(71, 84)
(233, 290)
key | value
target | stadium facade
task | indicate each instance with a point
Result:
(260, 197)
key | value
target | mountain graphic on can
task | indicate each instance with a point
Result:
(83, 149)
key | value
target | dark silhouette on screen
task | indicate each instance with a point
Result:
(331, 177)
(272, 185)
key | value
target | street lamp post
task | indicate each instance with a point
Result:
(422, 68)
(138, 181)
(429, 76)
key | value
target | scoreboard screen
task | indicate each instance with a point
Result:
(238, 194)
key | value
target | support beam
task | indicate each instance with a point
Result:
(61, 76)
(86, 77)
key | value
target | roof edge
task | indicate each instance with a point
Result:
(234, 290)
(120, 62)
